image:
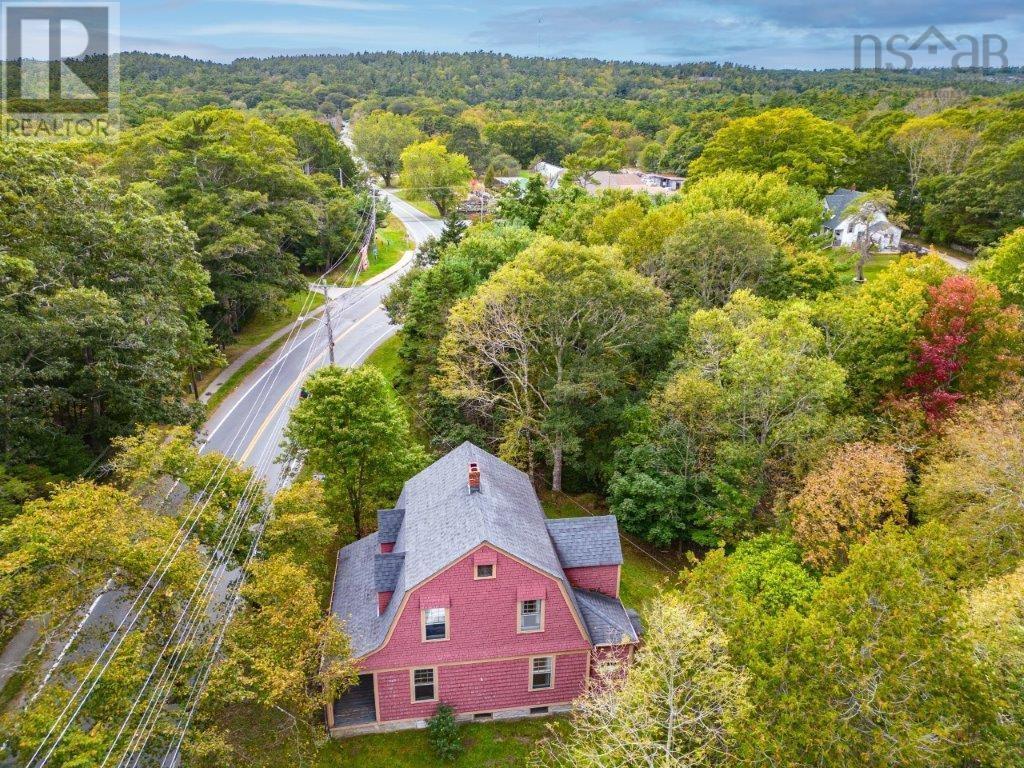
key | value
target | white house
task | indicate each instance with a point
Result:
(552, 173)
(846, 232)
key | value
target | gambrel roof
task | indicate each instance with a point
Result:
(438, 520)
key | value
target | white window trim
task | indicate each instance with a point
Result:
(519, 616)
(478, 566)
(412, 685)
(447, 625)
(551, 674)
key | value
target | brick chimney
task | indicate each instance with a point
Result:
(474, 477)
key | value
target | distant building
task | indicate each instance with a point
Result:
(632, 180)
(511, 181)
(468, 595)
(552, 173)
(846, 232)
(667, 181)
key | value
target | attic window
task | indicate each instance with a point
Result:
(484, 571)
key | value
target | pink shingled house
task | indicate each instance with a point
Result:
(468, 596)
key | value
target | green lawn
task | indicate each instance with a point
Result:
(646, 571)
(425, 206)
(385, 357)
(392, 243)
(487, 745)
(875, 265)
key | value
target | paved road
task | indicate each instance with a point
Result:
(249, 424)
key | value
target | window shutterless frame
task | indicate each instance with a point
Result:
(434, 625)
(542, 673)
(484, 571)
(531, 616)
(423, 685)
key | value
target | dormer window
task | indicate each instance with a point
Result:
(435, 624)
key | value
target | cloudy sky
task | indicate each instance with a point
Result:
(769, 33)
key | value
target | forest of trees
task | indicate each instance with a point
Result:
(839, 462)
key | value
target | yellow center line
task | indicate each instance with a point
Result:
(298, 381)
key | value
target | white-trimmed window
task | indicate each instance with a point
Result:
(542, 673)
(531, 615)
(435, 624)
(484, 571)
(424, 685)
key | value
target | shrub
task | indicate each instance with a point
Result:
(443, 730)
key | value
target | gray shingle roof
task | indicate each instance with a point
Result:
(838, 202)
(386, 569)
(443, 521)
(607, 620)
(389, 521)
(586, 541)
(355, 595)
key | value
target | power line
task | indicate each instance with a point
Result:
(151, 585)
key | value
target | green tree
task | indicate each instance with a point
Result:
(380, 139)
(552, 334)
(319, 150)
(996, 633)
(301, 528)
(878, 673)
(525, 140)
(872, 332)
(101, 304)
(58, 553)
(524, 206)
(352, 430)
(281, 651)
(972, 484)
(238, 184)
(596, 153)
(681, 703)
(792, 141)
(714, 255)
(1003, 265)
(429, 171)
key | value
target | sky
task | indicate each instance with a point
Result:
(766, 33)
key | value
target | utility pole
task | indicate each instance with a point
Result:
(330, 327)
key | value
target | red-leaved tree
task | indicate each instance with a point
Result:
(971, 344)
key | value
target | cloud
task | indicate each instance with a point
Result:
(339, 5)
(313, 30)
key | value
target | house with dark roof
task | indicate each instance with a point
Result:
(846, 231)
(468, 595)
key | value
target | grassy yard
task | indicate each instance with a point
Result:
(487, 745)
(645, 570)
(875, 265)
(391, 242)
(385, 357)
(425, 206)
